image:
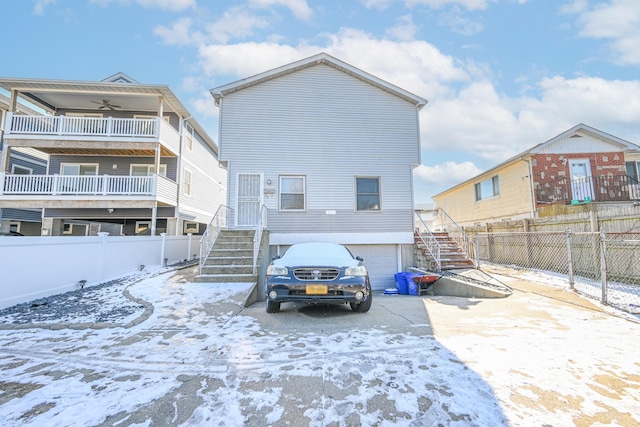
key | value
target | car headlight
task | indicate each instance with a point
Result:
(356, 271)
(277, 270)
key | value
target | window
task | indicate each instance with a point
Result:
(147, 170)
(632, 171)
(292, 193)
(67, 229)
(487, 188)
(186, 182)
(143, 227)
(14, 227)
(21, 170)
(78, 169)
(188, 136)
(191, 227)
(368, 194)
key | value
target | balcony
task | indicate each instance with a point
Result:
(56, 190)
(601, 188)
(59, 132)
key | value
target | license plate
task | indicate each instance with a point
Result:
(317, 289)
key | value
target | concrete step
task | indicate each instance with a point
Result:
(226, 278)
(227, 269)
(222, 253)
(229, 260)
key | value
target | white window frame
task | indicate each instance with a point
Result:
(67, 228)
(191, 227)
(304, 193)
(63, 165)
(188, 136)
(493, 182)
(142, 226)
(186, 182)
(150, 168)
(14, 167)
(15, 224)
(355, 190)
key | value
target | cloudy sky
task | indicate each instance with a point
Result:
(501, 75)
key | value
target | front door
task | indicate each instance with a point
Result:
(581, 182)
(249, 199)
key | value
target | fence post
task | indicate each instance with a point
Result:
(603, 266)
(162, 249)
(189, 250)
(103, 251)
(570, 259)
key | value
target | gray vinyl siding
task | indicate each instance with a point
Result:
(29, 215)
(105, 164)
(330, 127)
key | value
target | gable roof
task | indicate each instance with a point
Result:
(321, 58)
(574, 131)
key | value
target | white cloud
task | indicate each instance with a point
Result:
(617, 21)
(236, 23)
(299, 8)
(172, 5)
(460, 24)
(448, 173)
(179, 33)
(405, 29)
(40, 5)
(437, 4)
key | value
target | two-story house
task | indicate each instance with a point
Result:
(124, 158)
(581, 166)
(23, 161)
(329, 151)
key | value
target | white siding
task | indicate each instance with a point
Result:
(330, 127)
(585, 143)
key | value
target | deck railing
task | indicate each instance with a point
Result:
(599, 188)
(54, 185)
(86, 126)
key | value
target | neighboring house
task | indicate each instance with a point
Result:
(23, 161)
(105, 141)
(329, 150)
(580, 166)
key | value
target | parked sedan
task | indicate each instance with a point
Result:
(318, 273)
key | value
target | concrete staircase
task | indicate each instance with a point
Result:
(230, 259)
(452, 257)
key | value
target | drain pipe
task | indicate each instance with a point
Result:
(531, 193)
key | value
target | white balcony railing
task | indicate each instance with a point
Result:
(81, 126)
(54, 185)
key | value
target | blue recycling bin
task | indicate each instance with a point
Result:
(412, 287)
(401, 283)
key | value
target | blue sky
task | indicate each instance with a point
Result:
(501, 75)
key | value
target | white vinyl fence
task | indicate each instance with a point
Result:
(36, 267)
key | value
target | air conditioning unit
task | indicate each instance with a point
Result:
(191, 227)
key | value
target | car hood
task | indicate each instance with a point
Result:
(316, 261)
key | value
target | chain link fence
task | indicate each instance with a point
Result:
(596, 265)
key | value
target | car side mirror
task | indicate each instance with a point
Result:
(275, 257)
(359, 258)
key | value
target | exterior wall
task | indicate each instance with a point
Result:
(513, 202)
(208, 188)
(552, 177)
(329, 127)
(113, 165)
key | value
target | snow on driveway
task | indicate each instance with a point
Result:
(203, 359)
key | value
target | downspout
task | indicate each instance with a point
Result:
(179, 174)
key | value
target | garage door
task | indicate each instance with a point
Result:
(381, 262)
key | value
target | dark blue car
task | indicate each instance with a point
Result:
(318, 273)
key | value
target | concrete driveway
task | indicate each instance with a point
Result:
(200, 358)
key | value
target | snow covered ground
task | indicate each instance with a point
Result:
(201, 358)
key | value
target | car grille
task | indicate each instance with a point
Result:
(315, 274)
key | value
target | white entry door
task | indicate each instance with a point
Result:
(249, 192)
(581, 182)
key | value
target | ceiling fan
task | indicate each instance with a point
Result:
(106, 104)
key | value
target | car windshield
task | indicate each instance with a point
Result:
(318, 254)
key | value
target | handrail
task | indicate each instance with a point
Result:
(257, 238)
(208, 239)
(468, 246)
(431, 244)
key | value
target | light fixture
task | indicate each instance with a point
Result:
(110, 210)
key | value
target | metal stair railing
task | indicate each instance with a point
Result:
(209, 237)
(257, 238)
(457, 234)
(430, 243)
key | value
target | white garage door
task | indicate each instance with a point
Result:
(381, 262)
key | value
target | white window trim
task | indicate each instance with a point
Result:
(188, 136)
(97, 165)
(191, 227)
(163, 168)
(355, 193)
(186, 184)
(139, 224)
(304, 192)
(66, 230)
(13, 169)
(479, 183)
(16, 224)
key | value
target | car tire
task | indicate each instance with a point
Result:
(272, 306)
(364, 306)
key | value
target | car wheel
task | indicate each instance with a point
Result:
(272, 306)
(364, 306)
